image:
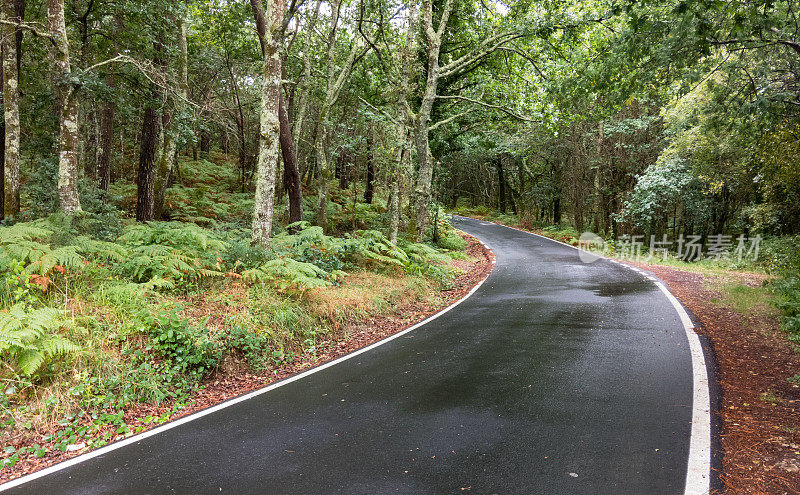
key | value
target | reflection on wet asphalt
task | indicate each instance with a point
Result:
(554, 377)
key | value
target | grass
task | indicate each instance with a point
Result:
(748, 301)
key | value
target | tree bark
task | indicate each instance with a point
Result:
(268, 143)
(147, 164)
(11, 138)
(106, 138)
(67, 109)
(369, 186)
(291, 176)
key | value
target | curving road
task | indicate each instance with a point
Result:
(554, 377)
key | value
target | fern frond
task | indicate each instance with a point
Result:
(31, 337)
(30, 360)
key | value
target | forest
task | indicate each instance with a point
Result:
(162, 160)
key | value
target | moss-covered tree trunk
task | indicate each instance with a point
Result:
(433, 36)
(67, 109)
(268, 26)
(11, 112)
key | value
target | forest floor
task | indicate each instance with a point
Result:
(233, 377)
(757, 370)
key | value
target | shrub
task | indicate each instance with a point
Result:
(780, 254)
(788, 291)
(287, 273)
(188, 349)
(254, 346)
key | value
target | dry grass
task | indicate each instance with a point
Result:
(362, 294)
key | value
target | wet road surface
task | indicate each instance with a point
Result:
(554, 377)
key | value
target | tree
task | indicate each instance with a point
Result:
(170, 146)
(334, 84)
(270, 26)
(434, 36)
(11, 131)
(66, 109)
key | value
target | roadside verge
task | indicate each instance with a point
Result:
(225, 391)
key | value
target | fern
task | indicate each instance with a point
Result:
(184, 236)
(108, 251)
(287, 273)
(130, 294)
(27, 243)
(31, 337)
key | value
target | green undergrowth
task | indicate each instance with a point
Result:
(96, 323)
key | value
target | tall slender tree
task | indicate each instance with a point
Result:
(334, 85)
(270, 27)
(170, 149)
(11, 150)
(66, 109)
(149, 145)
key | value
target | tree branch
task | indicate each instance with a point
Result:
(488, 46)
(487, 105)
(446, 121)
(27, 26)
(382, 112)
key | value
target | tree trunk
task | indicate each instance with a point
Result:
(422, 189)
(205, 143)
(501, 179)
(67, 109)
(106, 138)
(291, 177)
(395, 203)
(170, 151)
(324, 176)
(268, 143)
(369, 186)
(557, 210)
(343, 169)
(11, 138)
(165, 159)
(147, 164)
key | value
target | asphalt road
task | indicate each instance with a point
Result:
(554, 377)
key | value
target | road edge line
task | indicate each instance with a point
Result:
(235, 400)
(698, 472)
